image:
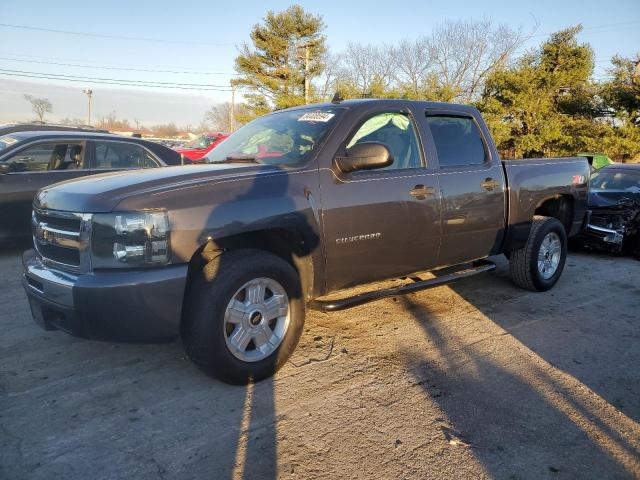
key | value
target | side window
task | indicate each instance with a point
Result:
(397, 132)
(119, 155)
(458, 140)
(47, 157)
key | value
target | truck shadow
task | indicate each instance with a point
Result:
(269, 200)
(585, 334)
(498, 389)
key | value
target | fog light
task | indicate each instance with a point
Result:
(128, 253)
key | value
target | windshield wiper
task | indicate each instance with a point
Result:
(239, 159)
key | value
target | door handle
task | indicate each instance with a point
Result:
(421, 192)
(489, 184)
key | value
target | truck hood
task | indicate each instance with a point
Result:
(102, 192)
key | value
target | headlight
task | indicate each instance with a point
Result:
(129, 239)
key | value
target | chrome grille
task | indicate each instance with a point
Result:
(62, 238)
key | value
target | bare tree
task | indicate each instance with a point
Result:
(412, 64)
(464, 52)
(219, 116)
(111, 122)
(40, 106)
(333, 68)
(367, 66)
(165, 130)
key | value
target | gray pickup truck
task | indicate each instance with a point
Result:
(293, 206)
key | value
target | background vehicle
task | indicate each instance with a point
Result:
(296, 204)
(200, 146)
(614, 203)
(32, 160)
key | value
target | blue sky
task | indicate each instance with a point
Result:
(200, 37)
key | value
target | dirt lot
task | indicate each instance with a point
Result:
(475, 380)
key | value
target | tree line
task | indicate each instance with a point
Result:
(543, 101)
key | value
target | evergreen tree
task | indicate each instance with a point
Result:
(287, 48)
(536, 107)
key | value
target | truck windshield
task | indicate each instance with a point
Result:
(616, 180)
(281, 138)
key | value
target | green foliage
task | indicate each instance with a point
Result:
(622, 93)
(274, 69)
(546, 104)
(533, 106)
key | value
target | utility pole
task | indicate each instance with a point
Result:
(89, 95)
(306, 74)
(232, 110)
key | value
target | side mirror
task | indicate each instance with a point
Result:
(365, 156)
(5, 168)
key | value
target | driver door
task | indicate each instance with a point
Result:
(381, 223)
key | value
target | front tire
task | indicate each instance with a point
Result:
(243, 316)
(538, 265)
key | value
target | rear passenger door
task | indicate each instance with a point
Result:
(472, 188)
(113, 155)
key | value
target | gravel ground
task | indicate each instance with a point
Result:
(474, 380)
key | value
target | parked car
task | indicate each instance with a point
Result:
(295, 205)
(34, 159)
(37, 126)
(614, 204)
(200, 146)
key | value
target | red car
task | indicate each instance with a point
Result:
(200, 146)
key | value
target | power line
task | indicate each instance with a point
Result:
(92, 63)
(103, 67)
(114, 37)
(126, 83)
(596, 27)
(85, 78)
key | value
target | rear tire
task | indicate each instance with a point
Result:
(538, 265)
(243, 316)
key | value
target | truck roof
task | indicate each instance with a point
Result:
(389, 102)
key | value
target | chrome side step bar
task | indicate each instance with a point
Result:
(348, 302)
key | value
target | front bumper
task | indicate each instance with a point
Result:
(134, 305)
(605, 235)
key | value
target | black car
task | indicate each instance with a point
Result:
(34, 159)
(614, 202)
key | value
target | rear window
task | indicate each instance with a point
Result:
(458, 140)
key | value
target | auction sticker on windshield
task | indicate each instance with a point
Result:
(316, 117)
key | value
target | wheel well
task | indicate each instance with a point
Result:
(560, 207)
(286, 244)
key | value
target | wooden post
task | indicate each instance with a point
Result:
(232, 110)
(306, 74)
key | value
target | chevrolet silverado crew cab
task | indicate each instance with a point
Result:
(294, 205)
